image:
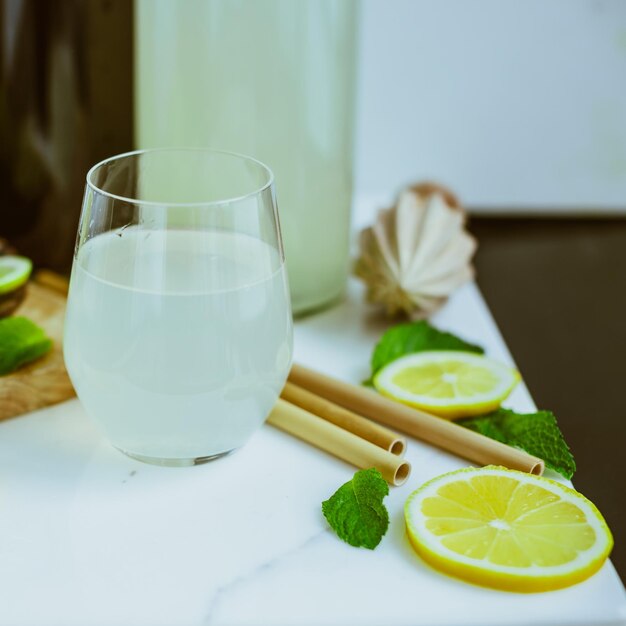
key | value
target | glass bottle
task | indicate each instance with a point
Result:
(270, 78)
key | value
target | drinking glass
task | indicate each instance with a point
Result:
(178, 334)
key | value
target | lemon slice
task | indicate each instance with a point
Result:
(447, 383)
(507, 529)
(14, 272)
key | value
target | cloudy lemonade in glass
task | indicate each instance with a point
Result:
(178, 339)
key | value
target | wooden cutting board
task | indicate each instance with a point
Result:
(43, 382)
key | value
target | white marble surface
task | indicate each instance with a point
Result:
(89, 536)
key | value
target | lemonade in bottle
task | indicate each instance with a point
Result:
(270, 78)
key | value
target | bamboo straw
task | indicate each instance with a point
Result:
(338, 415)
(337, 441)
(434, 430)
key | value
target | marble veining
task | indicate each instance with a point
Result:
(221, 593)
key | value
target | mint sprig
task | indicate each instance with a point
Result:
(537, 433)
(416, 337)
(356, 511)
(21, 341)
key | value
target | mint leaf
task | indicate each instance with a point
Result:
(356, 511)
(416, 337)
(537, 433)
(21, 341)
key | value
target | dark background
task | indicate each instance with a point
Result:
(555, 287)
(557, 291)
(66, 102)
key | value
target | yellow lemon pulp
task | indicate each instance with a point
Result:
(447, 383)
(506, 529)
(446, 379)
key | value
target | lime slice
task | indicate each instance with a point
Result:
(14, 272)
(506, 529)
(447, 383)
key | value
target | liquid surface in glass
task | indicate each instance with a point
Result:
(178, 341)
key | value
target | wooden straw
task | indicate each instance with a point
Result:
(338, 415)
(434, 430)
(337, 441)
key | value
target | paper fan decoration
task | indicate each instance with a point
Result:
(416, 253)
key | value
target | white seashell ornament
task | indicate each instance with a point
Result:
(416, 253)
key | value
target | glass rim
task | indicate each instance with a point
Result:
(118, 157)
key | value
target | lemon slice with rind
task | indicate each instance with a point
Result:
(506, 529)
(14, 272)
(447, 383)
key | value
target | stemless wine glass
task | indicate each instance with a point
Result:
(178, 334)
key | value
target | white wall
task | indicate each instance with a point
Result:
(512, 103)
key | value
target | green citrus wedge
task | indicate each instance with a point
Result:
(447, 383)
(14, 272)
(506, 529)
